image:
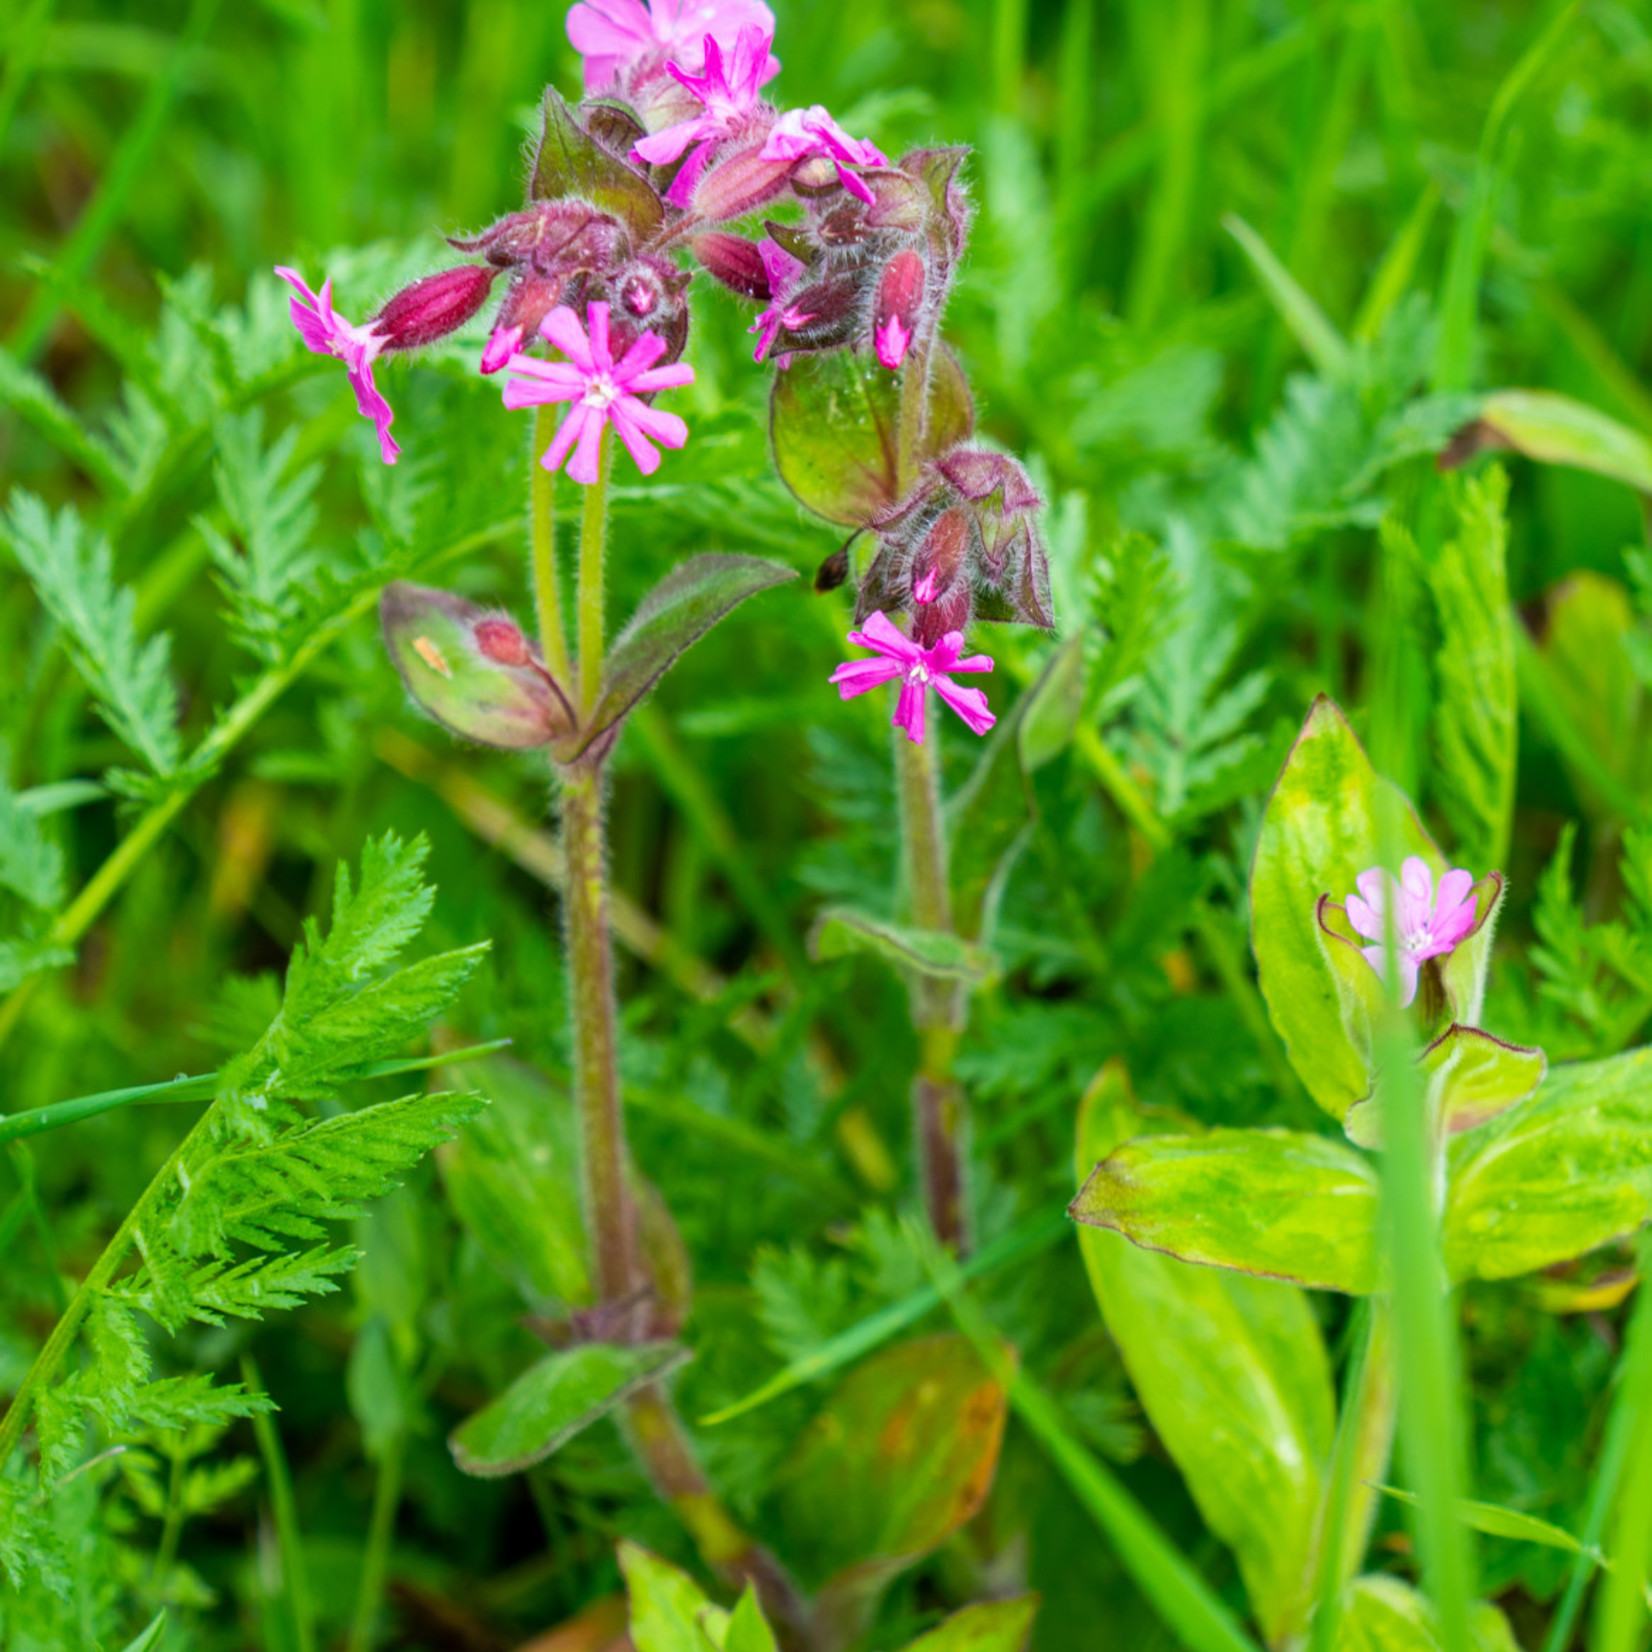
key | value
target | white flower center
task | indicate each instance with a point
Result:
(602, 393)
(918, 673)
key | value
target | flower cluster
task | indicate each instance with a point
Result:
(676, 141)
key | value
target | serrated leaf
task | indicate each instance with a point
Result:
(554, 1400)
(31, 863)
(570, 162)
(833, 419)
(1275, 1203)
(686, 604)
(840, 931)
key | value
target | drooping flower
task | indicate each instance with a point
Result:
(783, 271)
(728, 94)
(614, 36)
(803, 132)
(328, 334)
(900, 294)
(1428, 922)
(919, 670)
(602, 391)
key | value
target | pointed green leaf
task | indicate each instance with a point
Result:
(1384, 1615)
(1270, 1202)
(833, 419)
(148, 1639)
(686, 604)
(1496, 1521)
(1471, 1077)
(1324, 345)
(1318, 835)
(431, 637)
(1557, 1175)
(571, 162)
(554, 1400)
(1233, 1374)
(669, 1610)
(748, 1629)
(1556, 430)
(994, 1626)
(840, 930)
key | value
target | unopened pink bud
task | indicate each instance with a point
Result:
(735, 261)
(738, 184)
(900, 295)
(434, 307)
(502, 641)
(503, 343)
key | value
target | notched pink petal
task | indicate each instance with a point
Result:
(857, 676)
(969, 703)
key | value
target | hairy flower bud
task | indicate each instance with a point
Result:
(553, 237)
(531, 298)
(734, 261)
(900, 297)
(739, 183)
(434, 307)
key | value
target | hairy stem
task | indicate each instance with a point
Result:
(938, 1111)
(593, 545)
(553, 640)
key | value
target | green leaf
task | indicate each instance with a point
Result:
(669, 1610)
(571, 162)
(834, 420)
(431, 637)
(686, 604)
(1233, 1374)
(130, 680)
(901, 1457)
(1318, 834)
(1270, 1202)
(554, 1400)
(1475, 701)
(1556, 430)
(1050, 710)
(840, 931)
(148, 1639)
(748, 1629)
(1496, 1521)
(31, 862)
(1384, 1615)
(1556, 1176)
(994, 1626)
(1324, 345)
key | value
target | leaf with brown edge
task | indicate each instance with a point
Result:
(902, 1456)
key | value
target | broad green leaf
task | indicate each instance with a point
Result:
(571, 162)
(431, 637)
(1496, 1521)
(995, 1626)
(1270, 1202)
(1051, 708)
(685, 605)
(840, 930)
(1471, 1077)
(1475, 701)
(748, 1629)
(1319, 833)
(1384, 1615)
(512, 1176)
(669, 1610)
(1556, 1176)
(1232, 1373)
(554, 1400)
(833, 420)
(903, 1454)
(1557, 430)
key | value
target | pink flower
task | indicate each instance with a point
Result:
(329, 334)
(602, 392)
(783, 270)
(801, 132)
(1428, 923)
(616, 35)
(919, 669)
(727, 97)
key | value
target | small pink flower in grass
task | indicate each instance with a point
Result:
(728, 96)
(919, 670)
(783, 272)
(329, 334)
(1428, 922)
(802, 132)
(602, 391)
(615, 35)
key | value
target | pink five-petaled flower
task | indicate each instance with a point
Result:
(728, 95)
(783, 270)
(329, 334)
(920, 669)
(1428, 922)
(801, 132)
(615, 35)
(602, 391)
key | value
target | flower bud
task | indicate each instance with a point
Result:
(532, 297)
(734, 261)
(895, 319)
(503, 343)
(554, 237)
(501, 640)
(434, 307)
(738, 184)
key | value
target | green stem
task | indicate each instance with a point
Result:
(387, 1496)
(593, 545)
(295, 1575)
(167, 1551)
(553, 640)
